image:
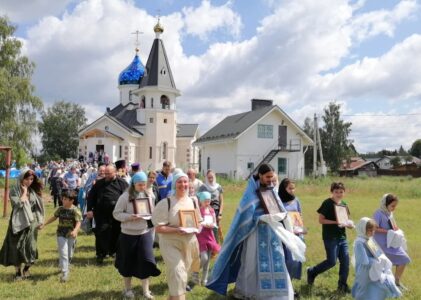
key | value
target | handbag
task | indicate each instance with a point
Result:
(86, 225)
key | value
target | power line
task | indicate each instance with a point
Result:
(385, 115)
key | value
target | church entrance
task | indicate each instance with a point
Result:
(99, 148)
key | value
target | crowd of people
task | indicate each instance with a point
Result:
(130, 211)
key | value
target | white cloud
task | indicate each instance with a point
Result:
(202, 20)
(383, 21)
(29, 11)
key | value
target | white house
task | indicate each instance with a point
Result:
(237, 145)
(143, 126)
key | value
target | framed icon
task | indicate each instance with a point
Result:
(269, 201)
(188, 218)
(342, 215)
(142, 207)
(296, 219)
(373, 248)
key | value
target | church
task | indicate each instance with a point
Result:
(143, 127)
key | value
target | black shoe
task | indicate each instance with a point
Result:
(188, 288)
(310, 277)
(18, 276)
(344, 288)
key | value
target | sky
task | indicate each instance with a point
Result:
(362, 54)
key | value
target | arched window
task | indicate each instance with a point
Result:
(164, 150)
(165, 102)
(142, 102)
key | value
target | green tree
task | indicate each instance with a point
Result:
(402, 151)
(59, 128)
(18, 105)
(396, 161)
(416, 149)
(334, 136)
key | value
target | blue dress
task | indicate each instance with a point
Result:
(294, 267)
(397, 256)
(364, 288)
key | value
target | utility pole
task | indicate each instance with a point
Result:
(321, 170)
(315, 130)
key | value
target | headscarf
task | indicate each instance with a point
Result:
(178, 173)
(383, 206)
(282, 192)
(203, 196)
(384, 209)
(139, 177)
(361, 228)
(211, 187)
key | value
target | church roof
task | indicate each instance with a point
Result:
(234, 125)
(187, 130)
(126, 117)
(133, 73)
(158, 71)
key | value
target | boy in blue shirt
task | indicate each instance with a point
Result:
(334, 239)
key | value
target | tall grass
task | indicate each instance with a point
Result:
(89, 281)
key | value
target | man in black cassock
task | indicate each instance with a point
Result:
(101, 202)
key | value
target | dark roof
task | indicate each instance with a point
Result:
(234, 125)
(158, 71)
(186, 130)
(126, 117)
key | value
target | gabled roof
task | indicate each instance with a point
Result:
(234, 125)
(354, 165)
(158, 71)
(127, 117)
(187, 130)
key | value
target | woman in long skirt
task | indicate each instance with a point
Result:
(20, 244)
(135, 249)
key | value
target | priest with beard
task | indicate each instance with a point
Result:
(101, 202)
(252, 254)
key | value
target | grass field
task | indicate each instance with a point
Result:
(88, 281)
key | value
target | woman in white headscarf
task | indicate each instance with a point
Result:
(217, 198)
(373, 277)
(178, 248)
(20, 244)
(386, 221)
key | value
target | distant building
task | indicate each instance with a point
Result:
(238, 144)
(357, 166)
(143, 127)
(384, 163)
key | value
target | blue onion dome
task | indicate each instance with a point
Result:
(133, 73)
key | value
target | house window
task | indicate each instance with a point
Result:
(250, 165)
(282, 165)
(164, 150)
(165, 120)
(151, 102)
(208, 163)
(265, 131)
(120, 150)
(150, 120)
(150, 152)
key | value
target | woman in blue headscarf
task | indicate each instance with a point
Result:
(20, 245)
(252, 255)
(178, 247)
(135, 256)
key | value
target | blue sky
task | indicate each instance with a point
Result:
(302, 54)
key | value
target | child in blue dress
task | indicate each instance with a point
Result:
(373, 276)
